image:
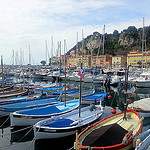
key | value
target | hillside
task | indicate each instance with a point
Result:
(116, 43)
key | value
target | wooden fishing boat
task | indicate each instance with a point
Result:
(58, 92)
(13, 93)
(111, 133)
(141, 106)
(143, 80)
(21, 99)
(9, 108)
(10, 90)
(142, 140)
(49, 89)
(37, 87)
(77, 94)
(93, 98)
(67, 124)
(32, 116)
(6, 88)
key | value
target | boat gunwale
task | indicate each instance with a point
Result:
(18, 116)
(117, 146)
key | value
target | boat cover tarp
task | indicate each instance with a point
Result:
(24, 105)
(60, 123)
(51, 109)
(141, 104)
(41, 111)
(52, 88)
(83, 93)
(95, 95)
(105, 136)
(63, 92)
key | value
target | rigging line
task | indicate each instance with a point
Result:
(18, 140)
(72, 148)
(16, 131)
(4, 122)
(3, 116)
(33, 138)
(22, 129)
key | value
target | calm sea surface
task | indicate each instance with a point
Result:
(23, 139)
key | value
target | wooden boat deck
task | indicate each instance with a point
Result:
(115, 124)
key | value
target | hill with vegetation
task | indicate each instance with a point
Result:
(115, 43)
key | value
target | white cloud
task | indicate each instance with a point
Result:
(24, 22)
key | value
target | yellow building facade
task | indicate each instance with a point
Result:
(118, 61)
(134, 57)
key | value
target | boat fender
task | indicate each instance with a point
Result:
(113, 111)
(138, 141)
(29, 93)
(109, 97)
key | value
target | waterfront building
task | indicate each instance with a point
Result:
(119, 61)
(134, 58)
(88, 61)
(102, 61)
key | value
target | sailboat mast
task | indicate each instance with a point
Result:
(77, 51)
(13, 58)
(29, 56)
(46, 51)
(103, 43)
(81, 78)
(142, 43)
(51, 50)
(65, 67)
(60, 56)
(125, 93)
(2, 73)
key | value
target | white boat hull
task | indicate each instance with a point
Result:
(22, 121)
(43, 129)
(142, 83)
(51, 135)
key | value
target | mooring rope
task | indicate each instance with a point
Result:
(16, 131)
(4, 122)
(33, 139)
(8, 146)
(3, 116)
(72, 148)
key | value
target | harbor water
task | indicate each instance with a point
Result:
(22, 138)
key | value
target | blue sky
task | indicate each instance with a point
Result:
(31, 22)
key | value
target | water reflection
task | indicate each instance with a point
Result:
(19, 134)
(54, 144)
(4, 122)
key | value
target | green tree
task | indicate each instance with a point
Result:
(43, 62)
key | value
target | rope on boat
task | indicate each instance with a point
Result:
(16, 131)
(33, 139)
(4, 122)
(8, 146)
(3, 116)
(72, 148)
